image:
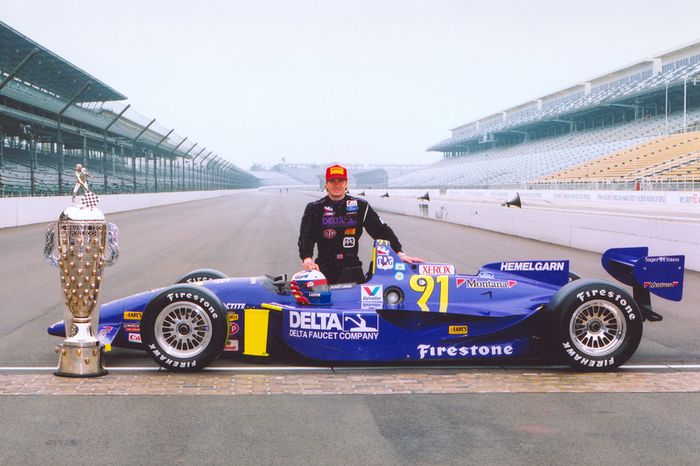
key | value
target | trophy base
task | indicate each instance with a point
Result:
(80, 359)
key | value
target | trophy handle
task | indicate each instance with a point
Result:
(112, 242)
(49, 255)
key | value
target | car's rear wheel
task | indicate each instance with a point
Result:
(597, 325)
(184, 328)
(201, 275)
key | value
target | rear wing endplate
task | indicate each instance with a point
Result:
(660, 275)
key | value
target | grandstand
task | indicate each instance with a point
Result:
(54, 115)
(303, 173)
(274, 178)
(651, 158)
(374, 177)
(629, 127)
(360, 175)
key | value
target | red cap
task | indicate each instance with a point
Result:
(336, 171)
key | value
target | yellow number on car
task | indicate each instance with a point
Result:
(444, 282)
(425, 284)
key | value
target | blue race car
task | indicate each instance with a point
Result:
(400, 312)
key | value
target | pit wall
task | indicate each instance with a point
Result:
(667, 222)
(18, 211)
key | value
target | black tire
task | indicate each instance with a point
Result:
(596, 326)
(184, 328)
(201, 275)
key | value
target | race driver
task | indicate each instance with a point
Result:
(334, 223)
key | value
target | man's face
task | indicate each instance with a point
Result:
(336, 188)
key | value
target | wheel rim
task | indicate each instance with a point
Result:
(393, 297)
(183, 330)
(598, 328)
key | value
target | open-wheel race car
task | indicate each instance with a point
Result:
(399, 312)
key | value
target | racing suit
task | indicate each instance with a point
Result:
(336, 227)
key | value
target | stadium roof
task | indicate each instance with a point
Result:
(47, 71)
(621, 85)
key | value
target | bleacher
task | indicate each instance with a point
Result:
(360, 175)
(634, 163)
(54, 115)
(686, 169)
(273, 178)
(302, 173)
(533, 160)
(618, 127)
(17, 177)
(563, 107)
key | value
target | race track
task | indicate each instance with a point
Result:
(229, 415)
(256, 233)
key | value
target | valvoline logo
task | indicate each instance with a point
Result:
(371, 296)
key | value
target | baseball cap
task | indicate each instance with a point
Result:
(336, 171)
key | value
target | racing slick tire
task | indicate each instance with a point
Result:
(596, 326)
(201, 275)
(184, 328)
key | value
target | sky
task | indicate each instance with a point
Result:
(362, 81)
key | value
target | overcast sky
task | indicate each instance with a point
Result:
(363, 81)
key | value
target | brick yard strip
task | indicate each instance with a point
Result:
(352, 383)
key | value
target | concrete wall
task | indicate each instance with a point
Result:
(666, 222)
(17, 211)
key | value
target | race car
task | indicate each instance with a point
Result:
(400, 313)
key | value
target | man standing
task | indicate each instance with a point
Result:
(335, 223)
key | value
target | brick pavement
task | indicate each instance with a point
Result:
(352, 382)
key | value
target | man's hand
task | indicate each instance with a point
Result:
(309, 264)
(410, 260)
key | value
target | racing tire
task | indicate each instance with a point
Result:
(200, 275)
(184, 328)
(596, 326)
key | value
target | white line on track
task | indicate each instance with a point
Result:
(157, 369)
(640, 367)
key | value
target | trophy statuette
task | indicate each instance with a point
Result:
(82, 235)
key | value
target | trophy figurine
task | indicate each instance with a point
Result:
(82, 237)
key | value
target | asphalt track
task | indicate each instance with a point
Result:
(511, 415)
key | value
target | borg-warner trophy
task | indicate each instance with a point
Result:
(82, 236)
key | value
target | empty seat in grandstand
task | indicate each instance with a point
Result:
(633, 163)
(685, 169)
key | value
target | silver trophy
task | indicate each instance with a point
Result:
(83, 235)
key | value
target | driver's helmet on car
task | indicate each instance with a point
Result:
(310, 287)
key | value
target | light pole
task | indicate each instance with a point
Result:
(666, 106)
(685, 100)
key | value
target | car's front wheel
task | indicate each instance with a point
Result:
(184, 328)
(597, 326)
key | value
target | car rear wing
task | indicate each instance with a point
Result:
(661, 275)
